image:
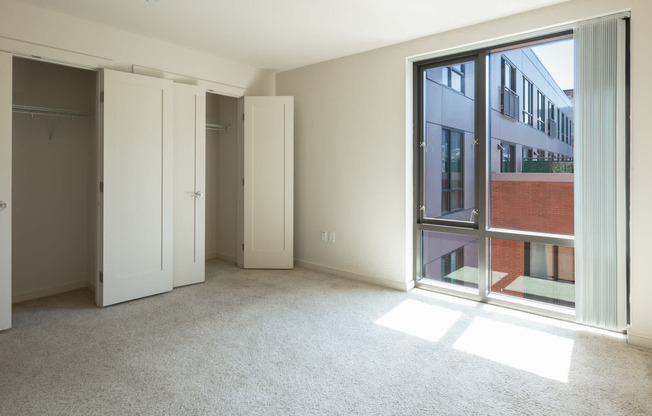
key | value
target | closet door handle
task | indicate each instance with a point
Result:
(3, 205)
(197, 194)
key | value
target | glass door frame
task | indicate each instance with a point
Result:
(481, 227)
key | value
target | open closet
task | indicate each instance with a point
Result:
(54, 175)
(126, 183)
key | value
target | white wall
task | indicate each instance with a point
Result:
(53, 222)
(353, 165)
(124, 49)
(221, 178)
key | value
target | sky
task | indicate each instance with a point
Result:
(557, 57)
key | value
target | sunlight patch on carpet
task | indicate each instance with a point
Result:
(536, 352)
(420, 319)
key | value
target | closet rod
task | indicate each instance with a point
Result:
(217, 127)
(44, 111)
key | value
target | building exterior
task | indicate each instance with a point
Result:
(531, 116)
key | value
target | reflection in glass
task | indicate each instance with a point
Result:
(448, 156)
(450, 258)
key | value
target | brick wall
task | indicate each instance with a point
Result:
(531, 206)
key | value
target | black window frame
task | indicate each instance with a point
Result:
(449, 71)
(541, 111)
(528, 104)
(552, 122)
(507, 158)
(447, 192)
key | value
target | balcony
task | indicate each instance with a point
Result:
(510, 103)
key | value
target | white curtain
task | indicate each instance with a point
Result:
(600, 145)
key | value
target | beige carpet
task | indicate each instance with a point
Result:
(305, 343)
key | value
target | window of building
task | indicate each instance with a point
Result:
(508, 96)
(541, 111)
(563, 128)
(552, 123)
(527, 101)
(452, 183)
(508, 75)
(568, 130)
(451, 263)
(453, 77)
(507, 158)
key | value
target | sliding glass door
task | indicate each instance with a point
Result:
(495, 176)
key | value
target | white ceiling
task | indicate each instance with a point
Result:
(285, 34)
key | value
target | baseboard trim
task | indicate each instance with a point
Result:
(48, 292)
(402, 286)
(639, 340)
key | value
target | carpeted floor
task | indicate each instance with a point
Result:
(252, 342)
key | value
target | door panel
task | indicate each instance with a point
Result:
(138, 183)
(6, 63)
(268, 173)
(189, 184)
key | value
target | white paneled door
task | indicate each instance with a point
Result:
(137, 159)
(266, 210)
(5, 189)
(189, 184)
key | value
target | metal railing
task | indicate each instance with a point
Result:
(510, 103)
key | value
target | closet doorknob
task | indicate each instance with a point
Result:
(199, 194)
(3, 205)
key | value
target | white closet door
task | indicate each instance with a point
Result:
(6, 61)
(189, 184)
(137, 159)
(267, 207)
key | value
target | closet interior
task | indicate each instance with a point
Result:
(54, 179)
(221, 177)
(55, 183)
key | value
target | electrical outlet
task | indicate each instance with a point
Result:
(331, 236)
(323, 236)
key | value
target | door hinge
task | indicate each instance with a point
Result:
(101, 186)
(101, 277)
(243, 246)
(242, 181)
(242, 116)
(101, 96)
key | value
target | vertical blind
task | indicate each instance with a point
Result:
(600, 216)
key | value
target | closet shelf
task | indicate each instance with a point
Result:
(217, 127)
(45, 111)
